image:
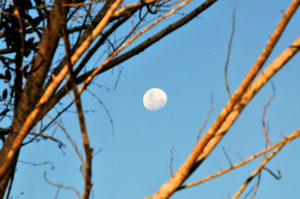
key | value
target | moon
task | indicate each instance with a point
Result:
(155, 99)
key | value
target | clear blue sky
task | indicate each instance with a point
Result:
(188, 65)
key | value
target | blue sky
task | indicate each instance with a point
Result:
(188, 65)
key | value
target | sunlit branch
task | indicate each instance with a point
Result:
(52, 87)
(87, 37)
(104, 36)
(265, 161)
(86, 144)
(230, 106)
(93, 73)
(136, 50)
(259, 82)
(133, 6)
(285, 141)
(153, 39)
(224, 120)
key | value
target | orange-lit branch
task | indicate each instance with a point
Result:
(52, 87)
(266, 160)
(99, 68)
(231, 111)
(285, 141)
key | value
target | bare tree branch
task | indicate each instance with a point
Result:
(229, 52)
(86, 143)
(207, 117)
(49, 91)
(69, 138)
(265, 129)
(256, 186)
(232, 109)
(106, 110)
(171, 161)
(227, 157)
(37, 75)
(261, 166)
(276, 176)
(136, 50)
(61, 186)
(285, 141)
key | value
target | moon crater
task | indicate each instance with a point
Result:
(155, 99)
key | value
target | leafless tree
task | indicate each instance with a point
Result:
(46, 49)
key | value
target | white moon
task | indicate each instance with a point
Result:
(155, 99)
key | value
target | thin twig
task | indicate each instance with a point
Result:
(106, 110)
(37, 164)
(171, 161)
(20, 194)
(57, 192)
(118, 79)
(11, 180)
(229, 52)
(69, 138)
(61, 186)
(241, 157)
(98, 151)
(276, 176)
(265, 130)
(49, 124)
(207, 117)
(60, 143)
(256, 186)
(227, 157)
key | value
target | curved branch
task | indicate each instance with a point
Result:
(229, 52)
(61, 186)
